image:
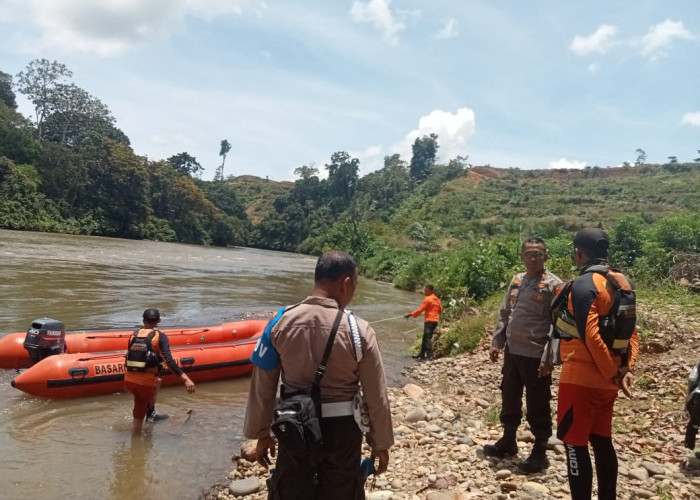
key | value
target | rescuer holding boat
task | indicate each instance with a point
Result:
(148, 350)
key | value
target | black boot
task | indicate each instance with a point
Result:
(152, 416)
(537, 461)
(506, 446)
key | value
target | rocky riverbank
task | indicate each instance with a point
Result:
(449, 410)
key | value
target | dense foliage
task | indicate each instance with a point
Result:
(70, 169)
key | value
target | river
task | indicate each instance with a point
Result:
(83, 448)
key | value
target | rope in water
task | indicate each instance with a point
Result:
(385, 319)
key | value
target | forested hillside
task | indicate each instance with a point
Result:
(70, 169)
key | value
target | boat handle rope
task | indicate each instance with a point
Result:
(121, 335)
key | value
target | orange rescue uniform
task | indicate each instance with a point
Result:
(592, 364)
(431, 306)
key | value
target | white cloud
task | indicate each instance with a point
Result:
(449, 30)
(598, 42)
(661, 36)
(9, 10)
(378, 13)
(209, 9)
(593, 68)
(691, 118)
(370, 158)
(453, 131)
(109, 27)
(564, 163)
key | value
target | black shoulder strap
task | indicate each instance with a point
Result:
(321, 370)
(134, 334)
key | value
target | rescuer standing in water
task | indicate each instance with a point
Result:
(149, 350)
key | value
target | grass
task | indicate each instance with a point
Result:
(663, 490)
(466, 333)
(492, 414)
(645, 381)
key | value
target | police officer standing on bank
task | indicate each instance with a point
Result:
(291, 346)
(523, 332)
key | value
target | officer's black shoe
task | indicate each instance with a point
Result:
(532, 465)
(417, 356)
(536, 462)
(501, 449)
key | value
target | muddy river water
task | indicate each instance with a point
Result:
(83, 448)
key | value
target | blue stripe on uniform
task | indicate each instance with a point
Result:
(265, 356)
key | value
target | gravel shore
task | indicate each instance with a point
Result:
(449, 410)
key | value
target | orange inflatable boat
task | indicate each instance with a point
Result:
(14, 355)
(85, 374)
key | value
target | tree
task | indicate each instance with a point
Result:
(185, 164)
(64, 176)
(225, 148)
(672, 160)
(641, 157)
(424, 156)
(697, 160)
(6, 94)
(308, 191)
(40, 82)
(342, 179)
(77, 114)
(380, 193)
(17, 140)
(306, 172)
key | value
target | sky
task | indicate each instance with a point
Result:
(536, 84)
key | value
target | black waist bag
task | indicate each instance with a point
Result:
(296, 419)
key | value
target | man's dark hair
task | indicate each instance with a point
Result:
(593, 241)
(151, 314)
(430, 287)
(533, 240)
(333, 265)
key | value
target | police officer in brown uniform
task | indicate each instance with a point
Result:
(291, 347)
(523, 332)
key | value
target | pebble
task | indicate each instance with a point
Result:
(246, 486)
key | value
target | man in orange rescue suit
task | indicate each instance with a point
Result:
(595, 366)
(292, 345)
(148, 348)
(432, 307)
(523, 331)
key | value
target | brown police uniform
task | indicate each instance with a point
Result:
(523, 329)
(299, 338)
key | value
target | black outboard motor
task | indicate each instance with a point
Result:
(45, 337)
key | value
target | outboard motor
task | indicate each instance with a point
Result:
(45, 337)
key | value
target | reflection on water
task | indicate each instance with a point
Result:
(131, 477)
(84, 448)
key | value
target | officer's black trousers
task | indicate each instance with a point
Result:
(331, 472)
(521, 372)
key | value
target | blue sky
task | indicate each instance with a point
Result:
(536, 84)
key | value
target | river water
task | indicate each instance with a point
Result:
(83, 448)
